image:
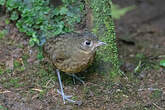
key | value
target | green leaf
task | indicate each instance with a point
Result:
(13, 4)
(40, 56)
(2, 108)
(31, 42)
(14, 16)
(56, 11)
(162, 63)
(3, 33)
(7, 21)
(63, 10)
(36, 16)
(34, 40)
(2, 2)
(28, 3)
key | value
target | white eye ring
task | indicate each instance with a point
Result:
(88, 43)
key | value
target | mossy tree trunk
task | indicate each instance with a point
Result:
(102, 24)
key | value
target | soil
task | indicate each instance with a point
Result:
(27, 83)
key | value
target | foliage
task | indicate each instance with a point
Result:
(144, 63)
(2, 107)
(40, 21)
(2, 2)
(104, 27)
(162, 63)
(1, 71)
(156, 94)
(3, 33)
(40, 54)
(117, 12)
(7, 21)
(18, 66)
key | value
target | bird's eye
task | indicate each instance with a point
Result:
(87, 42)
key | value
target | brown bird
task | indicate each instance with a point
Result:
(71, 53)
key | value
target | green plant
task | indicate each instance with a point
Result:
(45, 77)
(145, 63)
(40, 54)
(117, 12)
(12, 82)
(3, 33)
(40, 21)
(1, 71)
(162, 63)
(7, 21)
(18, 66)
(156, 94)
(42, 93)
(2, 107)
(2, 2)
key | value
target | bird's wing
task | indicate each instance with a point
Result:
(55, 50)
(59, 56)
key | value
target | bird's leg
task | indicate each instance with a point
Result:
(76, 77)
(64, 97)
(74, 81)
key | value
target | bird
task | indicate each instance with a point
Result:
(71, 53)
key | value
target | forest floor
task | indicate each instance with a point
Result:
(27, 83)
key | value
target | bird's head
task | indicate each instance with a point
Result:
(88, 42)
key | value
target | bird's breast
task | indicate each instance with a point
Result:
(76, 63)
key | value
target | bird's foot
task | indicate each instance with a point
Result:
(65, 97)
(77, 78)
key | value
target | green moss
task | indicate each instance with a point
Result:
(18, 66)
(1, 71)
(20, 46)
(156, 94)
(42, 93)
(144, 63)
(104, 28)
(75, 98)
(45, 77)
(13, 82)
(25, 58)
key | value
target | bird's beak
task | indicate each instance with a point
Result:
(99, 43)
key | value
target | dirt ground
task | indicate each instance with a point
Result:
(27, 83)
